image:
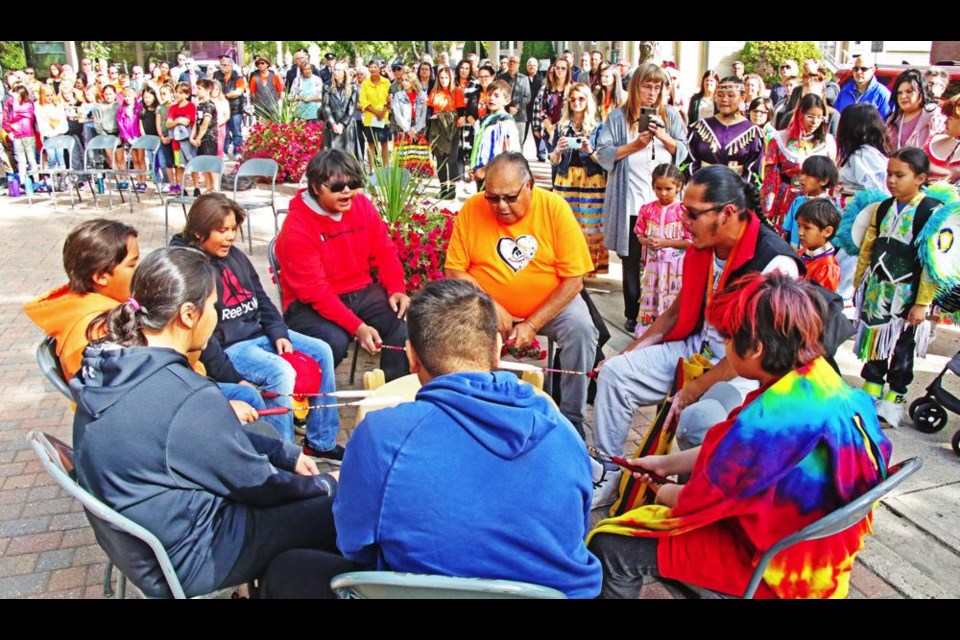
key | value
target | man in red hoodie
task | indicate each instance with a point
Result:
(331, 238)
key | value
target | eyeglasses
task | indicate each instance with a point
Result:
(651, 87)
(785, 66)
(338, 187)
(861, 68)
(813, 118)
(262, 62)
(494, 198)
(759, 111)
(693, 214)
(577, 99)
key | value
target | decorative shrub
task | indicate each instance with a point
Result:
(764, 56)
(291, 144)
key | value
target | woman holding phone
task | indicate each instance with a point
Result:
(637, 137)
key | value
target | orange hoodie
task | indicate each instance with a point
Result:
(65, 316)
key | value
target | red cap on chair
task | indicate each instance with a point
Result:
(308, 371)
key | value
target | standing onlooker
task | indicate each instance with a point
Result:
(128, 125)
(626, 72)
(137, 80)
(339, 106)
(233, 88)
(630, 155)
(18, 123)
(223, 116)
(181, 67)
(447, 103)
(788, 69)
(148, 127)
(298, 59)
(579, 179)
(753, 88)
(701, 103)
(326, 73)
(374, 103)
(520, 95)
(266, 90)
(180, 119)
(609, 95)
(863, 86)
(937, 80)
(583, 75)
(467, 83)
(51, 121)
(737, 69)
(307, 93)
(409, 107)
(915, 115)
(548, 104)
(425, 76)
(942, 149)
(535, 80)
(496, 132)
(806, 136)
(166, 157)
(204, 136)
(72, 104)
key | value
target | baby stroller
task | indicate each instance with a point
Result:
(929, 412)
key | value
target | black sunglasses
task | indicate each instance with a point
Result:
(861, 68)
(494, 198)
(338, 187)
(693, 214)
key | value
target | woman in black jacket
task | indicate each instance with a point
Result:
(339, 105)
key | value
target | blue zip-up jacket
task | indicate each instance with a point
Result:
(480, 477)
(876, 94)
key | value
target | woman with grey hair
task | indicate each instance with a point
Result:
(635, 138)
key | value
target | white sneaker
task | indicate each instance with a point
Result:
(891, 412)
(606, 485)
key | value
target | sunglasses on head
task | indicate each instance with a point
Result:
(338, 187)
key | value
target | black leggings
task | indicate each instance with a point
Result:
(632, 270)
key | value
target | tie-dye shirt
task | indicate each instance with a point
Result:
(795, 451)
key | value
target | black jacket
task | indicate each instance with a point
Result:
(244, 312)
(161, 445)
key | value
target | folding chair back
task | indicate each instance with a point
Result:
(379, 585)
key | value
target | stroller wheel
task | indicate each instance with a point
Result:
(956, 443)
(912, 411)
(930, 417)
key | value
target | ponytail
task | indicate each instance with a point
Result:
(167, 279)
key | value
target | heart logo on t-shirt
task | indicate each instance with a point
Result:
(517, 253)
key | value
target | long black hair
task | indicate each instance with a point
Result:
(166, 279)
(860, 125)
(916, 78)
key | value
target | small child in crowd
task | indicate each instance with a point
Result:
(816, 221)
(818, 175)
(664, 238)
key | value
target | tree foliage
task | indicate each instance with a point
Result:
(12, 55)
(764, 56)
(539, 49)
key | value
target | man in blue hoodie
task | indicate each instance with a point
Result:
(481, 476)
(863, 86)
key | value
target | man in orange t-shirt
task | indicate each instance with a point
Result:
(524, 248)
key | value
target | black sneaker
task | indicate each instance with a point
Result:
(630, 326)
(196, 193)
(333, 456)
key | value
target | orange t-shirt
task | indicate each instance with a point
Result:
(519, 265)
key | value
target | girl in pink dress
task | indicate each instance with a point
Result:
(664, 238)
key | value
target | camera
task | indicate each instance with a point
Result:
(647, 114)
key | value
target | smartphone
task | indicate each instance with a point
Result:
(574, 142)
(643, 122)
(626, 464)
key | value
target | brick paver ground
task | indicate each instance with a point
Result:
(47, 550)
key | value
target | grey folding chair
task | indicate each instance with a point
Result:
(258, 167)
(149, 145)
(274, 265)
(832, 523)
(282, 211)
(199, 164)
(381, 585)
(50, 366)
(108, 144)
(67, 147)
(136, 552)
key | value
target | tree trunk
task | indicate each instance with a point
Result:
(649, 50)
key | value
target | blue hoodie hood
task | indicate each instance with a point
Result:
(507, 418)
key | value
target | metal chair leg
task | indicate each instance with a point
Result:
(353, 367)
(107, 580)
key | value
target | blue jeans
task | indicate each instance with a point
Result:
(234, 133)
(258, 362)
